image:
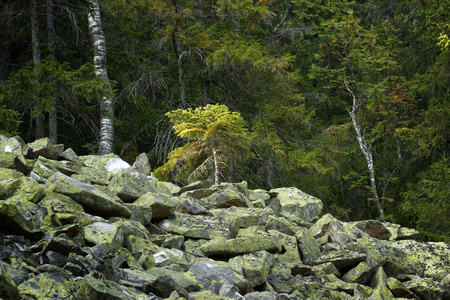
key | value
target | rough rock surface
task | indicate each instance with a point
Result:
(93, 227)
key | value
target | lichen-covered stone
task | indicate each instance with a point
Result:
(8, 288)
(242, 245)
(399, 290)
(44, 168)
(129, 185)
(254, 266)
(227, 197)
(43, 147)
(299, 203)
(93, 288)
(109, 235)
(20, 217)
(359, 274)
(162, 205)
(281, 225)
(289, 253)
(212, 275)
(243, 217)
(200, 227)
(92, 199)
(142, 164)
(425, 288)
(309, 247)
(49, 286)
(326, 268)
(342, 259)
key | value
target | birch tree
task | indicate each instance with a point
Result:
(106, 138)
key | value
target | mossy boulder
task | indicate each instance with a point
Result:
(107, 234)
(199, 227)
(253, 266)
(92, 199)
(299, 203)
(212, 275)
(242, 245)
(162, 205)
(43, 147)
(129, 185)
(243, 216)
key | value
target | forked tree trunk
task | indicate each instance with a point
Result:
(38, 119)
(365, 149)
(106, 143)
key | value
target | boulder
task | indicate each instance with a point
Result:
(162, 205)
(253, 266)
(242, 245)
(299, 203)
(142, 165)
(92, 199)
(212, 275)
(129, 185)
(199, 227)
(43, 147)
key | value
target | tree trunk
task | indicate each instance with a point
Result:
(38, 119)
(106, 143)
(216, 168)
(52, 114)
(205, 91)
(367, 153)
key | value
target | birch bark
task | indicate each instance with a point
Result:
(365, 149)
(106, 139)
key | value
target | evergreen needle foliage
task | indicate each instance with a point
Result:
(216, 138)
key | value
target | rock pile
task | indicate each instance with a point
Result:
(93, 227)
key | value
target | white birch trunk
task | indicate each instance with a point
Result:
(367, 153)
(106, 143)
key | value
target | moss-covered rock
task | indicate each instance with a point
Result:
(299, 203)
(59, 285)
(43, 147)
(162, 205)
(242, 245)
(200, 227)
(212, 275)
(310, 249)
(93, 288)
(243, 217)
(129, 185)
(8, 288)
(109, 235)
(254, 266)
(289, 253)
(92, 199)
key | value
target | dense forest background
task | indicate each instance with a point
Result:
(346, 100)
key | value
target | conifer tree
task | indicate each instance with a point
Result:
(216, 137)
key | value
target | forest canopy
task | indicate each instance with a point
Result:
(347, 100)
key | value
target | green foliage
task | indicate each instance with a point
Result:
(426, 202)
(9, 123)
(214, 135)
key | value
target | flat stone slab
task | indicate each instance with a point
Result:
(92, 199)
(193, 226)
(242, 245)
